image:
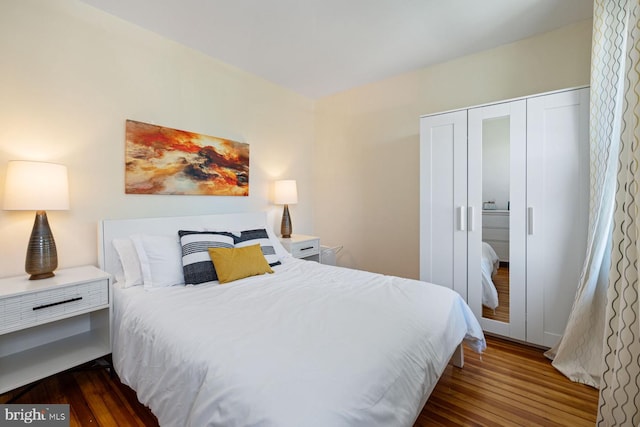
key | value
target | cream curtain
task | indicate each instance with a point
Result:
(578, 355)
(601, 345)
(620, 378)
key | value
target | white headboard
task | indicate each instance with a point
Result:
(169, 226)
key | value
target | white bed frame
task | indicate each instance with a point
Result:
(168, 226)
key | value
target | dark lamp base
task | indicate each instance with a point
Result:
(41, 276)
(42, 256)
(285, 225)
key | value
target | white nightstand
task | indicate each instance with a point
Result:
(50, 325)
(303, 247)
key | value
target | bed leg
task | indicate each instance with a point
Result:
(458, 357)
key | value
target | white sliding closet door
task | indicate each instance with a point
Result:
(557, 209)
(497, 173)
(443, 200)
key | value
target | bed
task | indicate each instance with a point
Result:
(308, 344)
(489, 267)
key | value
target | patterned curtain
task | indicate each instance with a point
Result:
(601, 345)
(620, 381)
(579, 353)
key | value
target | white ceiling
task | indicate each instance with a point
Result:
(320, 47)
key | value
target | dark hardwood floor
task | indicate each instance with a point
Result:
(510, 385)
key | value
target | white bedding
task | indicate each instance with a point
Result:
(310, 345)
(489, 267)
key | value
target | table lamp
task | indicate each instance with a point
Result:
(286, 193)
(38, 186)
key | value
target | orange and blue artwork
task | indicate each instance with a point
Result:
(162, 160)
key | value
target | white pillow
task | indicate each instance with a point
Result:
(160, 260)
(129, 261)
(281, 252)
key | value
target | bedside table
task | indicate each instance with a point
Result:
(303, 247)
(50, 325)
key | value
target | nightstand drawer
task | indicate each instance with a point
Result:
(24, 310)
(306, 248)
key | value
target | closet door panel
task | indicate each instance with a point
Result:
(497, 173)
(557, 209)
(443, 200)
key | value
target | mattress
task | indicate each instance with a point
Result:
(310, 345)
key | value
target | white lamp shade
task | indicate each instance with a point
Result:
(36, 186)
(285, 192)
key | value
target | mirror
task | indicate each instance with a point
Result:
(495, 218)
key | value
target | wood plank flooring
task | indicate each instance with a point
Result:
(510, 385)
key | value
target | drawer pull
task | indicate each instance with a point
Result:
(461, 220)
(307, 248)
(40, 307)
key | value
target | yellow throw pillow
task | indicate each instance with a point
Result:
(237, 263)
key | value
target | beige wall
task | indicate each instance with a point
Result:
(71, 75)
(367, 141)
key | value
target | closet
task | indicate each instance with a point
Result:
(504, 202)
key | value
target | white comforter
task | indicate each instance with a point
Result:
(310, 345)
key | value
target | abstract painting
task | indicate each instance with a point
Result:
(162, 160)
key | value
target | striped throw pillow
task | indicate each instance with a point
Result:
(196, 262)
(259, 236)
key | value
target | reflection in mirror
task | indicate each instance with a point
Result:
(495, 218)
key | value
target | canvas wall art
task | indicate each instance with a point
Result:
(162, 160)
